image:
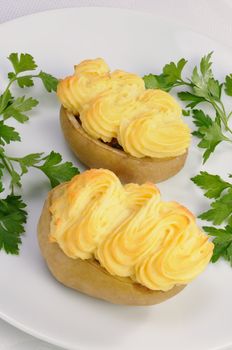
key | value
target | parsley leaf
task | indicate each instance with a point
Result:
(24, 81)
(222, 242)
(201, 79)
(153, 81)
(215, 88)
(201, 120)
(5, 100)
(170, 77)
(228, 85)
(221, 210)
(213, 185)
(50, 82)
(186, 112)
(19, 105)
(172, 71)
(8, 134)
(12, 220)
(29, 160)
(211, 137)
(52, 167)
(188, 96)
(56, 171)
(205, 66)
(22, 63)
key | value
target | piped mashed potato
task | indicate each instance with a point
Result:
(129, 230)
(116, 105)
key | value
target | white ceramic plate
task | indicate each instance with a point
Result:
(199, 317)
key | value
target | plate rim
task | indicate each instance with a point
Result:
(119, 9)
(10, 320)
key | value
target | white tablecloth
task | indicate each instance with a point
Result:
(211, 17)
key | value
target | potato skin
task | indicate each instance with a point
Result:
(87, 276)
(96, 154)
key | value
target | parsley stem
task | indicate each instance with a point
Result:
(12, 80)
(12, 172)
(9, 162)
(227, 139)
(222, 114)
(226, 117)
(6, 164)
(229, 115)
(4, 96)
(9, 85)
(9, 168)
(14, 159)
(183, 82)
(223, 108)
(28, 76)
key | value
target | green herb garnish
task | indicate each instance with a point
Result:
(220, 192)
(13, 215)
(202, 88)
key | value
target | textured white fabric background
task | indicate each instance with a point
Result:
(211, 17)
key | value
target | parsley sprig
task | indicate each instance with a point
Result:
(220, 192)
(13, 215)
(202, 87)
